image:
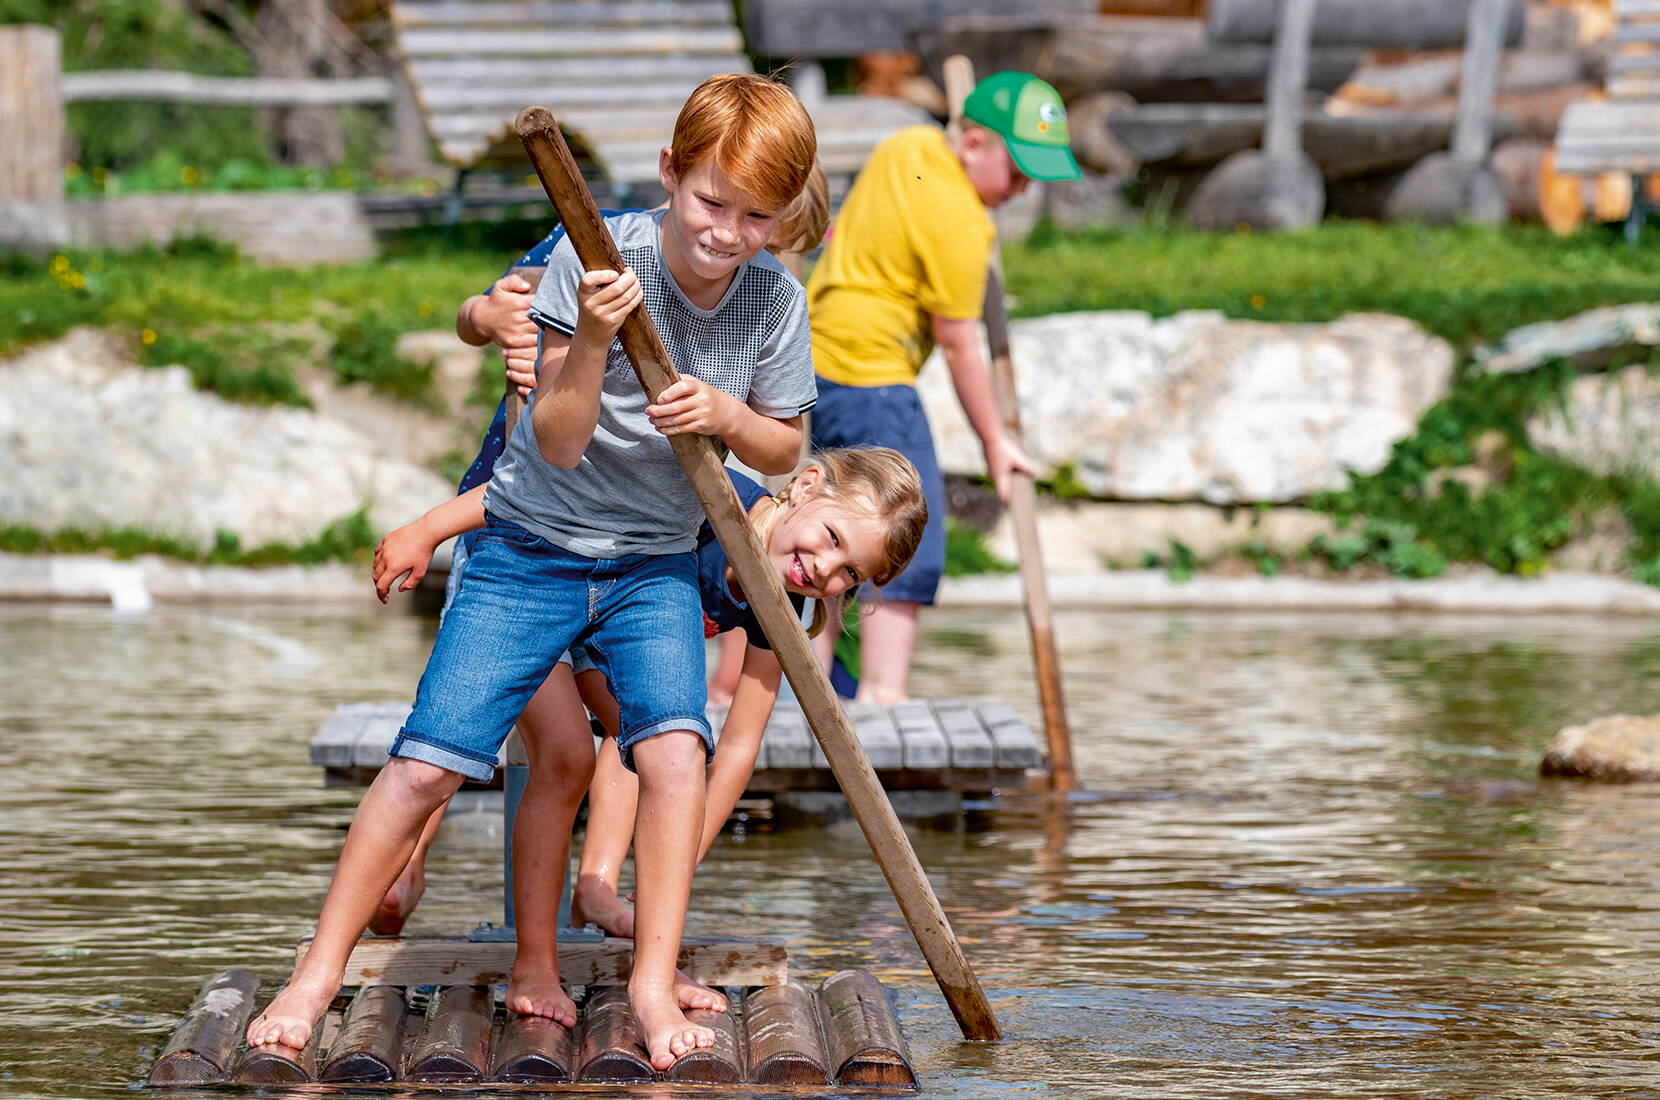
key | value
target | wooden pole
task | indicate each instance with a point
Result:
(31, 114)
(1287, 78)
(959, 81)
(1473, 133)
(542, 140)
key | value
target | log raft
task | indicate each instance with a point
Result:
(842, 1037)
(922, 744)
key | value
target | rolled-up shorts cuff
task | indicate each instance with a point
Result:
(695, 723)
(412, 746)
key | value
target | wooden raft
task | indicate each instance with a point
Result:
(842, 1036)
(922, 744)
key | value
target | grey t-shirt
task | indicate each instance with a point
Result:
(628, 494)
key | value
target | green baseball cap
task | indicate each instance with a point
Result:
(1030, 118)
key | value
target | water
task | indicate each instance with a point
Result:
(1315, 860)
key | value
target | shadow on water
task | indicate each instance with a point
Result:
(1314, 859)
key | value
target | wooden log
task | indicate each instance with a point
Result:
(534, 1050)
(370, 1046)
(721, 1064)
(31, 115)
(612, 1047)
(200, 1050)
(160, 86)
(1150, 60)
(1398, 24)
(1282, 133)
(784, 1043)
(957, 981)
(275, 1064)
(1443, 189)
(862, 1033)
(454, 1048)
(1478, 80)
(808, 28)
(445, 960)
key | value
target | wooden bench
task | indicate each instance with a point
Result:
(1620, 134)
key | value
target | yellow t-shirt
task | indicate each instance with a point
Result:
(912, 240)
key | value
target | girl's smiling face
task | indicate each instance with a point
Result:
(820, 547)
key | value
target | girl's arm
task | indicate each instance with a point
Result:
(409, 549)
(740, 740)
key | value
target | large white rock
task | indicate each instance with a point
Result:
(1608, 424)
(1590, 340)
(88, 440)
(1198, 407)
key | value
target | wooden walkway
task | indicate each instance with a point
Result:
(923, 744)
(842, 1036)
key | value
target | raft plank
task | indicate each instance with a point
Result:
(275, 1064)
(455, 1046)
(612, 1049)
(862, 1032)
(370, 1046)
(970, 745)
(920, 734)
(335, 744)
(784, 1043)
(534, 1050)
(202, 1046)
(445, 960)
(721, 1064)
(877, 734)
(788, 742)
(1017, 745)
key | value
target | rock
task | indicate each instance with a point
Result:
(1590, 340)
(1618, 749)
(90, 440)
(1094, 200)
(1608, 424)
(455, 363)
(1443, 190)
(1078, 536)
(1254, 188)
(1195, 407)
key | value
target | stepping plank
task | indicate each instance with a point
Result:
(721, 1064)
(784, 1044)
(919, 733)
(862, 1032)
(275, 1064)
(877, 734)
(788, 742)
(612, 1047)
(370, 1046)
(534, 1050)
(202, 1046)
(971, 746)
(380, 729)
(455, 1047)
(1017, 745)
(335, 744)
(393, 961)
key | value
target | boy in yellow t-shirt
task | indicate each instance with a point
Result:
(905, 270)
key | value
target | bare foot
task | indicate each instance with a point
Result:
(690, 994)
(399, 902)
(595, 902)
(289, 1018)
(668, 1035)
(535, 991)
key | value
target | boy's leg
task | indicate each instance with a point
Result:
(384, 830)
(405, 892)
(560, 751)
(887, 636)
(611, 803)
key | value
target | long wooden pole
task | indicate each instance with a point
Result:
(959, 81)
(559, 175)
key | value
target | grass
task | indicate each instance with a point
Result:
(348, 539)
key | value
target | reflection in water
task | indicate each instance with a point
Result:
(1313, 860)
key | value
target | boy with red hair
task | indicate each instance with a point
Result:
(590, 534)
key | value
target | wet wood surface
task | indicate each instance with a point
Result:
(862, 1033)
(534, 1050)
(202, 1046)
(721, 1064)
(612, 1047)
(455, 1045)
(275, 1064)
(784, 1043)
(370, 1046)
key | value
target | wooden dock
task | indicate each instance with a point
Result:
(842, 1036)
(973, 747)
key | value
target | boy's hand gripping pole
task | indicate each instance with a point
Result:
(554, 165)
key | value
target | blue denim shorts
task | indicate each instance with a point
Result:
(521, 602)
(891, 416)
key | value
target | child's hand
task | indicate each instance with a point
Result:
(1003, 459)
(504, 316)
(605, 299)
(692, 405)
(406, 550)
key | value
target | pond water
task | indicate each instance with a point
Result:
(1315, 860)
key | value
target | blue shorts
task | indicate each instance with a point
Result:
(891, 416)
(577, 656)
(520, 603)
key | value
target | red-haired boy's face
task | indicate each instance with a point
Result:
(711, 226)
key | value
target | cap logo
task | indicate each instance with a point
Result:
(1048, 112)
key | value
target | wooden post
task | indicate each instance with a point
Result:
(1287, 78)
(594, 246)
(1473, 132)
(31, 114)
(959, 81)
